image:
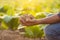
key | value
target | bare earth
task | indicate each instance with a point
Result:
(13, 35)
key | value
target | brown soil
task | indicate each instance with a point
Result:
(13, 35)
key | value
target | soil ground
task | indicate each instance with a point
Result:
(13, 35)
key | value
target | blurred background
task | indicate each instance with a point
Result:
(11, 10)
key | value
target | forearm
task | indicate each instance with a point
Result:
(33, 21)
(49, 20)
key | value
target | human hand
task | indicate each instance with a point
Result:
(28, 20)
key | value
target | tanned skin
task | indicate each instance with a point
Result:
(28, 20)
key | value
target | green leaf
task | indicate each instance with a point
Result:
(7, 18)
(11, 22)
(34, 31)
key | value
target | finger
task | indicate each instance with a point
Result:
(22, 20)
(23, 17)
(23, 23)
(27, 17)
(31, 21)
(31, 16)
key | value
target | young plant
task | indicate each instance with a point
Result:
(34, 31)
(11, 22)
